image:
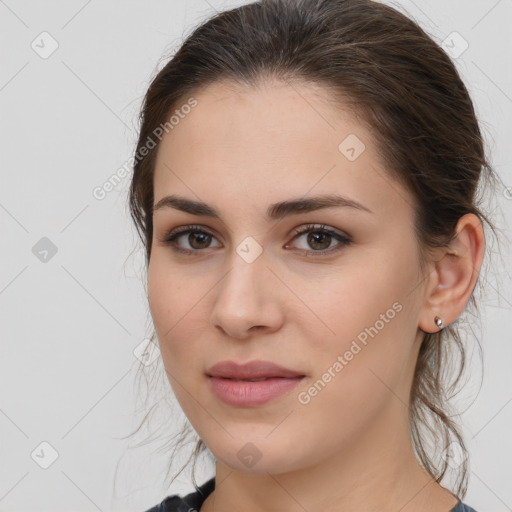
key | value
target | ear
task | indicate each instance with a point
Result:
(453, 274)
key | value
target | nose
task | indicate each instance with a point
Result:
(247, 299)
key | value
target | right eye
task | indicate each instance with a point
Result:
(198, 239)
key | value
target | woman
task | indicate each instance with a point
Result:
(304, 187)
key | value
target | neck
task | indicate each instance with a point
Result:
(378, 473)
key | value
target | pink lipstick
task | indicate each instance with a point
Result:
(251, 384)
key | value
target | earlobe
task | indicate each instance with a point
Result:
(454, 275)
(438, 321)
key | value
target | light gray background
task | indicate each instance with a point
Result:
(70, 324)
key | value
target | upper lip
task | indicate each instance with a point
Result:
(250, 370)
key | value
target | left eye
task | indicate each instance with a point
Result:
(319, 239)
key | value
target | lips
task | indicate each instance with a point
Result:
(251, 384)
(252, 371)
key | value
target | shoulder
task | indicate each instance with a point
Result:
(462, 507)
(190, 503)
(169, 504)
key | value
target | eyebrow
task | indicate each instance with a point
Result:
(274, 212)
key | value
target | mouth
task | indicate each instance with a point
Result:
(258, 379)
(252, 371)
(251, 384)
(246, 391)
(251, 392)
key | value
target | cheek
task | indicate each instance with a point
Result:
(161, 294)
(174, 305)
(346, 302)
(355, 369)
(178, 312)
(366, 316)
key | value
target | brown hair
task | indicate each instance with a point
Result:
(408, 92)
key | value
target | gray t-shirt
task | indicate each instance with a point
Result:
(192, 502)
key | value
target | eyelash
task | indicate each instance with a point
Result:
(171, 237)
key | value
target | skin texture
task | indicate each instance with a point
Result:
(241, 149)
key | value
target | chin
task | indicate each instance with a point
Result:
(254, 455)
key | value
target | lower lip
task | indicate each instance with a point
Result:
(246, 394)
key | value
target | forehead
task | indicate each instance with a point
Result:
(273, 112)
(268, 141)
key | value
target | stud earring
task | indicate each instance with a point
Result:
(439, 322)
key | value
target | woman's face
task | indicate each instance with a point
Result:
(341, 310)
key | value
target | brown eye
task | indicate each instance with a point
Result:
(198, 239)
(319, 239)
